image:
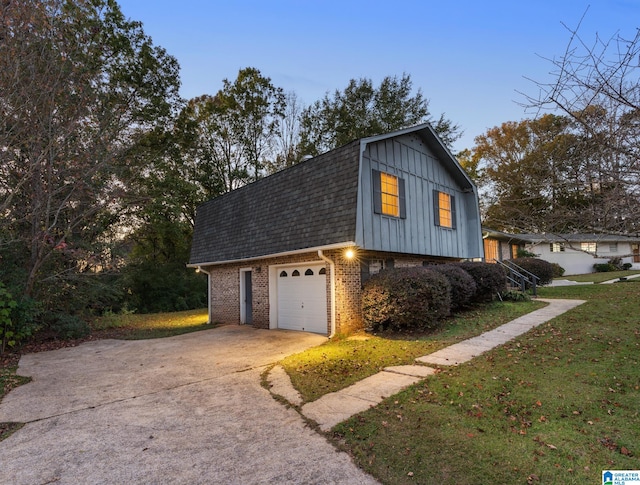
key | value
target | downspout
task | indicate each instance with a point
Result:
(200, 270)
(332, 284)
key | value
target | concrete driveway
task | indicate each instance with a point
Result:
(186, 409)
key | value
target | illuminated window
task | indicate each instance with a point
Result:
(388, 195)
(514, 251)
(490, 250)
(556, 247)
(590, 247)
(444, 209)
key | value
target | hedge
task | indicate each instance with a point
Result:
(544, 270)
(463, 286)
(490, 279)
(405, 299)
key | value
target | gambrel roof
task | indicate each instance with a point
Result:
(312, 205)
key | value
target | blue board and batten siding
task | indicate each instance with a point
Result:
(408, 157)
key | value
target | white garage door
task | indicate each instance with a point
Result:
(302, 298)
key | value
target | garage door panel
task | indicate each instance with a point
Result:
(302, 300)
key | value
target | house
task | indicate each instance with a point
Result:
(292, 250)
(577, 253)
(500, 246)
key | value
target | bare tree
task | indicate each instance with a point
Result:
(597, 85)
(287, 139)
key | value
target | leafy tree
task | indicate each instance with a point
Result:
(216, 144)
(226, 140)
(529, 173)
(78, 84)
(364, 110)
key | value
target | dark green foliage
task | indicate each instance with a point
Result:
(604, 267)
(363, 109)
(17, 318)
(627, 266)
(558, 270)
(490, 279)
(164, 287)
(7, 304)
(67, 326)
(618, 264)
(463, 286)
(539, 267)
(523, 253)
(406, 298)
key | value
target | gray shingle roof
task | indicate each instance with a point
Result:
(309, 205)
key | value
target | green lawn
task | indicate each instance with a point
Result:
(132, 326)
(343, 361)
(599, 277)
(557, 405)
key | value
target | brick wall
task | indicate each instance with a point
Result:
(348, 293)
(225, 287)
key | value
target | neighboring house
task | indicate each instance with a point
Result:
(500, 246)
(292, 250)
(576, 252)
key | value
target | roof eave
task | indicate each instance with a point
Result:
(315, 249)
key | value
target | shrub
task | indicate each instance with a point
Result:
(523, 253)
(69, 326)
(539, 267)
(490, 279)
(604, 267)
(617, 263)
(7, 304)
(627, 266)
(463, 286)
(558, 270)
(406, 298)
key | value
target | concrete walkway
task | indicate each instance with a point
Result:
(617, 280)
(336, 407)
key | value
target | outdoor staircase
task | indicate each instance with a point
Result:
(519, 278)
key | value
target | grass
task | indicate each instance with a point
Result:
(131, 326)
(10, 380)
(556, 405)
(599, 277)
(343, 361)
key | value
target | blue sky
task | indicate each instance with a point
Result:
(470, 58)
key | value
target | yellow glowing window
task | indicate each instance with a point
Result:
(490, 250)
(514, 251)
(390, 194)
(444, 204)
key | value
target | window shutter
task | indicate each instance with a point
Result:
(377, 192)
(453, 212)
(402, 199)
(436, 208)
